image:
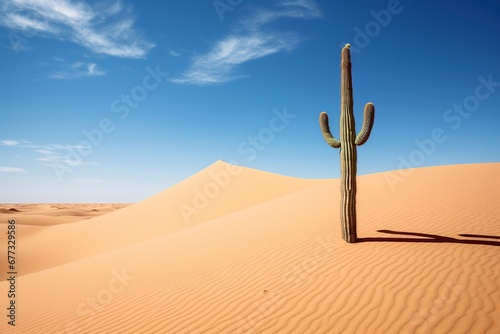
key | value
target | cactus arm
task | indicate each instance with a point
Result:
(325, 129)
(369, 117)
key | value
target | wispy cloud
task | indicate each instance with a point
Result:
(296, 9)
(102, 29)
(62, 154)
(174, 53)
(247, 43)
(12, 170)
(58, 159)
(76, 70)
(218, 65)
(51, 154)
(10, 142)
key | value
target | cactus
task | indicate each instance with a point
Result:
(347, 144)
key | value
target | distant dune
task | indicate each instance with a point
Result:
(237, 250)
(54, 214)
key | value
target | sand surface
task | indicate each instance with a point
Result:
(237, 250)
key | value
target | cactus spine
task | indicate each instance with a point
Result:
(347, 144)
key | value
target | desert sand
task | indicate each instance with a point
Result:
(54, 214)
(237, 250)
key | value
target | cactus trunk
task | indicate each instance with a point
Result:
(347, 144)
(348, 154)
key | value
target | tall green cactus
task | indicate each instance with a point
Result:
(347, 144)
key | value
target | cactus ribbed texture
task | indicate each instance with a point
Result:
(347, 144)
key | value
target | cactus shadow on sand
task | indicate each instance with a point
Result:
(434, 238)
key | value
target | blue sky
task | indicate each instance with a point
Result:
(114, 101)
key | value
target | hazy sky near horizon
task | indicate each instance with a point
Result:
(114, 101)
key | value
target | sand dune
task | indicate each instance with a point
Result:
(266, 256)
(216, 191)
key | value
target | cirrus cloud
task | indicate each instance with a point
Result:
(12, 170)
(103, 29)
(247, 43)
